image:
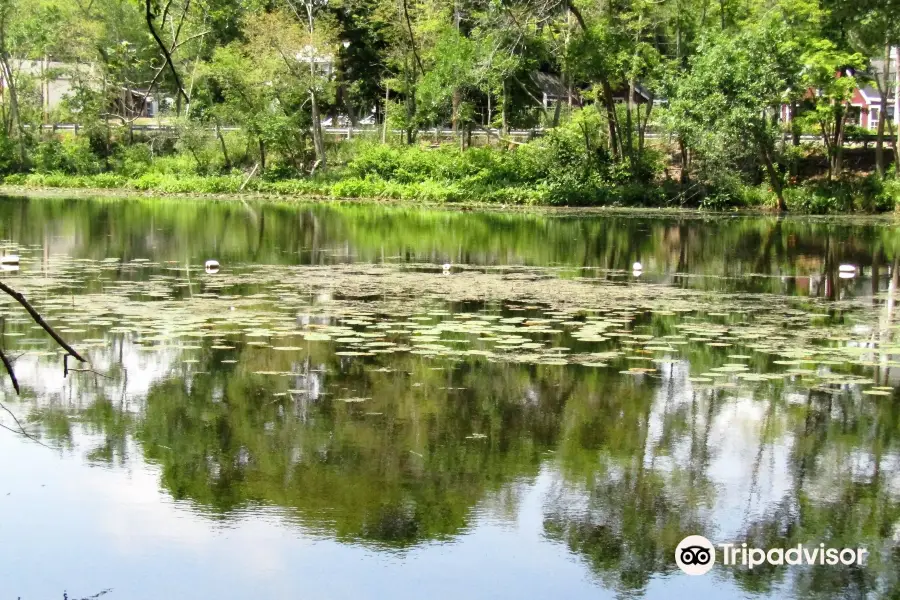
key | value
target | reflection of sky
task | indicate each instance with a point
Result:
(734, 441)
(73, 523)
(46, 377)
(100, 528)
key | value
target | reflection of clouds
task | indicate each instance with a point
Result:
(120, 517)
(751, 476)
(45, 376)
(135, 539)
(839, 465)
(733, 441)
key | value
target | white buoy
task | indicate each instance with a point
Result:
(446, 266)
(637, 267)
(9, 259)
(212, 266)
(847, 268)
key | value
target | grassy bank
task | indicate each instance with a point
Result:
(824, 198)
(546, 172)
(332, 187)
(556, 170)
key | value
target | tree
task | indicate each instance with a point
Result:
(872, 28)
(735, 84)
(829, 76)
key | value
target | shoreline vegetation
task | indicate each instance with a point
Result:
(248, 196)
(627, 104)
(528, 175)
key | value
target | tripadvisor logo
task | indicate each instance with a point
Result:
(696, 555)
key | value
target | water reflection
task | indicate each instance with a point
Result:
(765, 254)
(598, 466)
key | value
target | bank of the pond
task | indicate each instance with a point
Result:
(343, 187)
(424, 194)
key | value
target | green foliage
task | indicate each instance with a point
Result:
(71, 155)
(134, 161)
(9, 156)
(867, 194)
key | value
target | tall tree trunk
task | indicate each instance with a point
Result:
(685, 166)
(224, 147)
(15, 128)
(632, 86)
(774, 177)
(629, 120)
(795, 136)
(318, 138)
(454, 116)
(611, 118)
(642, 125)
(384, 124)
(840, 129)
(897, 113)
(883, 82)
(504, 122)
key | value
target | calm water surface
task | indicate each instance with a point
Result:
(334, 415)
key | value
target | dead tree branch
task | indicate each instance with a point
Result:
(40, 321)
(162, 46)
(9, 370)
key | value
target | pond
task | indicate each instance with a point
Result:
(369, 401)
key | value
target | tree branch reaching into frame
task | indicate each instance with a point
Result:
(148, 4)
(40, 321)
(8, 365)
(9, 370)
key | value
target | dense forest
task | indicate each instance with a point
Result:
(716, 103)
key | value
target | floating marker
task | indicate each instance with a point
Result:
(637, 266)
(847, 268)
(447, 266)
(9, 259)
(212, 266)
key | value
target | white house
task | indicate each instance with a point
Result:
(56, 81)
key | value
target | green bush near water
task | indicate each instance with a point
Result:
(557, 170)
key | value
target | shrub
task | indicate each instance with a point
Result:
(49, 156)
(70, 154)
(133, 161)
(9, 155)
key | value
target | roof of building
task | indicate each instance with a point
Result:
(549, 84)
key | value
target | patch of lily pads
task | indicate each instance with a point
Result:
(524, 316)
